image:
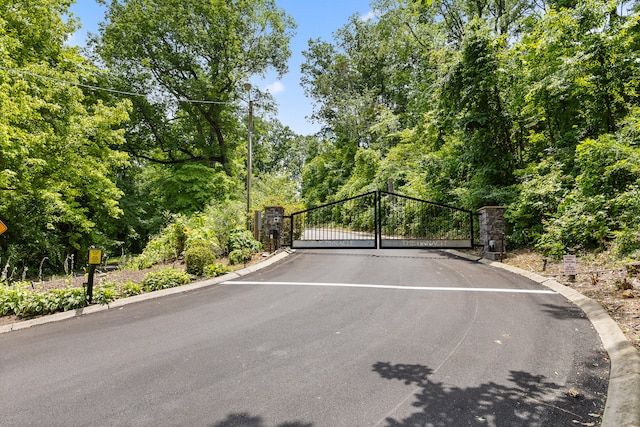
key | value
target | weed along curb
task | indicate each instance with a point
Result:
(622, 408)
(142, 297)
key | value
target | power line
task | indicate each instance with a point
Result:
(103, 89)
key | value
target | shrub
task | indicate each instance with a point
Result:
(130, 289)
(214, 270)
(164, 279)
(541, 186)
(603, 203)
(240, 239)
(239, 256)
(10, 297)
(68, 298)
(168, 245)
(21, 301)
(223, 218)
(106, 293)
(197, 257)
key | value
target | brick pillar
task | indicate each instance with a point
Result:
(492, 230)
(273, 228)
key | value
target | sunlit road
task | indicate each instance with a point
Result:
(323, 338)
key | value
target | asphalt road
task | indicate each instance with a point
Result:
(323, 338)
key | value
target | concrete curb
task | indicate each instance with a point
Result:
(622, 408)
(56, 317)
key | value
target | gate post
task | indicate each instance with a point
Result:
(492, 231)
(273, 228)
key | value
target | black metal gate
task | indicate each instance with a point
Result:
(380, 219)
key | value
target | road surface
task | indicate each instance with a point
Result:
(323, 338)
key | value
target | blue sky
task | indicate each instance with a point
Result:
(315, 18)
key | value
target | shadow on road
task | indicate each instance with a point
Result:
(563, 312)
(531, 400)
(247, 420)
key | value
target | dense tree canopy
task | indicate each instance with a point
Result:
(58, 147)
(102, 155)
(487, 102)
(524, 103)
(192, 58)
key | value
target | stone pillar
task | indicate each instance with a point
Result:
(492, 230)
(272, 228)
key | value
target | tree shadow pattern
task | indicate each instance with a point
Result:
(247, 420)
(526, 403)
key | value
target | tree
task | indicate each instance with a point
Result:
(191, 58)
(473, 98)
(58, 147)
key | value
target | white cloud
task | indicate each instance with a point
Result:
(275, 88)
(368, 16)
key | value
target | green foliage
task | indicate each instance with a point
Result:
(276, 190)
(200, 231)
(541, 186)
(460, 104)
(168, 245)
(240, 238)
(241, 245)
(603, 204)
(164, 279)
(217, 222)
(105, 293)
(215, 270)
(22, 300)
(204, 184)
(239, 256)
(60, 146)
(322, 177)
(362, 179)
(130, 289)
(148, 47)
(197, 257)
(470, 106)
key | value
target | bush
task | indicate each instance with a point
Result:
(604, 203)
(69, 298)
(239, 256)
(130, 289)
(197, 257)
(11, 297)
(21, 301)
(541, 186)
(164, 279)
(168, 245)
(214, 270)
(106, 293)
(240, 239)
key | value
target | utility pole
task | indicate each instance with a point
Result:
(247, 86)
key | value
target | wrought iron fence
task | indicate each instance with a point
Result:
(382, 219)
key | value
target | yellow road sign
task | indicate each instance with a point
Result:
(3, 227)
(95, 256)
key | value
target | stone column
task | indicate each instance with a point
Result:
(272, 228)
(492, 230)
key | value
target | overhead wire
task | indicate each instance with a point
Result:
(103, 89)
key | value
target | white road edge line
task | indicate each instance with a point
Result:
(404, 288)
